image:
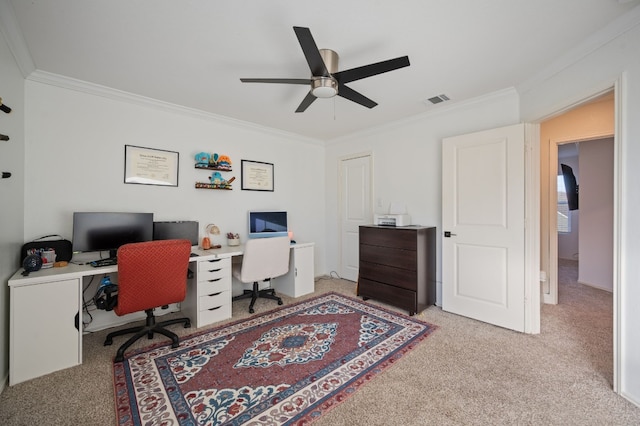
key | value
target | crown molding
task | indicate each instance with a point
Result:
(122, 96)
(15, 39)
(418, 118)
(610, 32)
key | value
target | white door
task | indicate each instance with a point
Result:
(483, 244)
(355, 210)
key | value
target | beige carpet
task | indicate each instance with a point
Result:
(465, 373)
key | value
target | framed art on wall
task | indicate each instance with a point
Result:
(149, 166)
(257, 176)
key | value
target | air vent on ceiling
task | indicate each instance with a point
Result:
(438, 99)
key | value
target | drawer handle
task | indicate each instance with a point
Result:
(214, 260)
(214, 294)
(215, 270)
(213, 309)
(214, 280)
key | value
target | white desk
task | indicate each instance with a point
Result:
(46, 306)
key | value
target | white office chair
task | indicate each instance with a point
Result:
(263, 259)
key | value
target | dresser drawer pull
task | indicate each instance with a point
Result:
(213, 309)
(214, 260)
(215, 270)
(214, 280)
(214, 294)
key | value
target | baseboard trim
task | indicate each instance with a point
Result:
(3, 384)
(609, 290)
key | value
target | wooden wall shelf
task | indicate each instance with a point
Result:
(220, 169)
(204, 185)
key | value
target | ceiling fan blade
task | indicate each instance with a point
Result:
(352, 95)
(308, 100)
(371, 70)
(311, 52)
(277, 80)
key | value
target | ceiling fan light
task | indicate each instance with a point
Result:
(324, 87)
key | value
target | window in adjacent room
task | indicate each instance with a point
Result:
(564, 215)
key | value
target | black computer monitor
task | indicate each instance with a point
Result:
(101, 231)
(178, 230)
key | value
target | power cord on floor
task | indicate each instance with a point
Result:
(332, 275)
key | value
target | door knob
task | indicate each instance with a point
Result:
(448, 234)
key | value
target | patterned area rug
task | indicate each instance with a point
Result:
(287, 366)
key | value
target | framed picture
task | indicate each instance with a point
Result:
(257, 176)
(148, 166)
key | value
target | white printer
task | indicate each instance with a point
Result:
(397, 216)
(392, 219)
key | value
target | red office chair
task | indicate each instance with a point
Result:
(150, 274)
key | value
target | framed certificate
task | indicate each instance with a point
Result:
(257, 176)
(148, 166)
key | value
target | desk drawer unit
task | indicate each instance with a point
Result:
(211, 300)
(397, 266)
(215, 314)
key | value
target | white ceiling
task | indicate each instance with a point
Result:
(193, 52)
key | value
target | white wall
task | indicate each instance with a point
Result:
(75, 162)
(564, 85)
(596, 214)
(407, 159)
(11, 190)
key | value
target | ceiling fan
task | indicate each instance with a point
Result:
(326, 81)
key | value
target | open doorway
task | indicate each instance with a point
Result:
(577, 246)
(587, 123)
(584, 224)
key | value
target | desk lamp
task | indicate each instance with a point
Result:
(210, 229)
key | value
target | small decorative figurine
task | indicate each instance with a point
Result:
(224, 163)
(216, 178)
(202, 159)
(218, 182)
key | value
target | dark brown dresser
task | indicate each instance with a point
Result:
(398, 266)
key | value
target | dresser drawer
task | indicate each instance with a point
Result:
(400, 297)
(214, 300)
(214, 314)
(398, 277)
(398, 258)
(389, 237)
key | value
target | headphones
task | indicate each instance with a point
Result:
(104, 298)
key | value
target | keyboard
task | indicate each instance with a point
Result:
(104, 262)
